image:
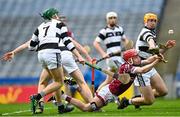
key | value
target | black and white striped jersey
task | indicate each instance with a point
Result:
(111, 38)
(49, 35)
(142, 41)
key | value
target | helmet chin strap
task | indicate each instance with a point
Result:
(131, 61)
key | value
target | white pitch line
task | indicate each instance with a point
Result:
(17, 112)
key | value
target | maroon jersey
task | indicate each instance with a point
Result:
(116, 87)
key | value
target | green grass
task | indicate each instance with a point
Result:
(159, 108)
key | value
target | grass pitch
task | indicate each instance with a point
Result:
(160, 108)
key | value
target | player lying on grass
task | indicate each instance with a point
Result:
(112, 90)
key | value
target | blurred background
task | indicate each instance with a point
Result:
(19, 18)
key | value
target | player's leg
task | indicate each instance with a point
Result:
(147, 97)
(52, 63)
(158, 85)
(93, 106)
(57, 75)
(43, 82)
(84, 89)
(71, 67)
(49, 89)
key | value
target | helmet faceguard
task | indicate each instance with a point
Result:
(129, 54)
(49, 13)
(149, 16)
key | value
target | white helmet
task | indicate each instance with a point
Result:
(111, 14)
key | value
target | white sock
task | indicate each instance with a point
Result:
(59, 103)
(130, 101)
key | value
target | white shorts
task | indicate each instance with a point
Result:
(105, 95)
(115, 61)
(144, 79)
(68, 61)
(50, 60)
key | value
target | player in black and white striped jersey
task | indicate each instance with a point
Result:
(69, 66)
(147, 39)
(46, 40)
(112, 36)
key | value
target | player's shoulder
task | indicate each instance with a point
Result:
(120, 28)
(125, 68)
(146, 30)
(103, 30)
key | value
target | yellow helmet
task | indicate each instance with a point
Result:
(148, 16)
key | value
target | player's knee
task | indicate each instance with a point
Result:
(164, 92)
(86, 108)
(149, 101)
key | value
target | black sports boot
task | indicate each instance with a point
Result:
(123, 103)
(64, 109)
(34, 103)
(40, 108)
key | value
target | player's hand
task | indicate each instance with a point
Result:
(161, 58)
(105, 55)
(8, 56)
(170, 43)
(81, 60)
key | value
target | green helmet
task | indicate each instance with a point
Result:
(48, 13)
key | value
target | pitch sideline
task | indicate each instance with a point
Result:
(17, 112)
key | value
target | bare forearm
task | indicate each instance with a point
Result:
(99, 49)
(80, 48)
(21, 47)
(147, 67)
(76, 53)
(107, 81)
(149, 60)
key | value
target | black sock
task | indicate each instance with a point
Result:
(38, 97)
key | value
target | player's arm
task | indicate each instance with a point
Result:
(107, 81)
(147, 67)
(10, 55)
(63, 34)
(151, 43)
(68, 43)
(125, 40)
(97, 43)
(21, 47)
(98, 47)
(149, 59)
(34, 41)
(81, 49)
(169, 44)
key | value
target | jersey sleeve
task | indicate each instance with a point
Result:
(34, 40)
(123, 34)
(63, 34)
(147, 36)
(101, 36)
(35, 35)
(126, 68)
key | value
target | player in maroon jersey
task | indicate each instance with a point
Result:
(112, 90)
